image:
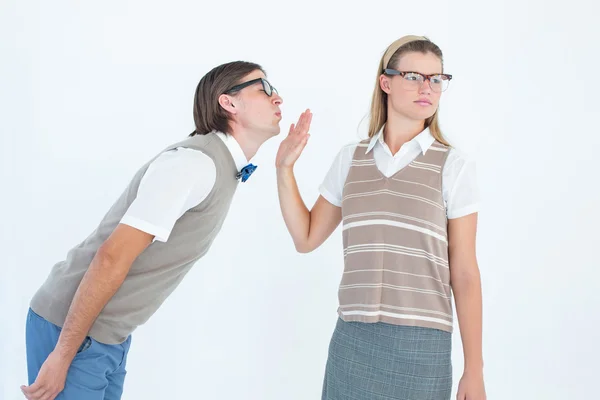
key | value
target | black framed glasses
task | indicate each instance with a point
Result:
(413, 80)
(267, 87)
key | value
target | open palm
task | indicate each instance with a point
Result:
(291, 147)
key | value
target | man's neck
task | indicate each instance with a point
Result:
(248, 142)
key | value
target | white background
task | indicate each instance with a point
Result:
(90, 90)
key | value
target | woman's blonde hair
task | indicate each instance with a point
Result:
(390, 58)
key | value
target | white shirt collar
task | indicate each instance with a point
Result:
(423, 139)
(235, 149)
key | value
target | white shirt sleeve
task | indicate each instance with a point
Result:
(332, 187)
(175, 181)
(459, 185)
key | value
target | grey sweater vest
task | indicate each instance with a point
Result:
(159, 269)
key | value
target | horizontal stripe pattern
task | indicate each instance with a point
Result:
(392, 193)
(396, 224)
(394, 232)
(398, 316)
(396, 250)
(397, 310)
(397, 216)
(407, 261)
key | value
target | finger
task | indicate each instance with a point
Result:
(291, 129)
(303, 123)
(39, 395)
(302, 119)
(36, 391)
(34, 395)
(307, 122)
(24, 393)
(302, 144)
(51, 395)
(28, 390)
(296, 128)
(300, 138)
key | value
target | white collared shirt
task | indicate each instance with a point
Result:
(459, 180)
(168, 189)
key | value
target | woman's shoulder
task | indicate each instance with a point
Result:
(349, 148)
(456, 154)
(457, 160)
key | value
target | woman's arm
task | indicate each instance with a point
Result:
(308, 228)
(466, 285)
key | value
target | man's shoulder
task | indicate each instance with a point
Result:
(182, 158)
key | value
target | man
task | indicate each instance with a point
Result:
(80, 322)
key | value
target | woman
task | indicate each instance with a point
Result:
(408, 204)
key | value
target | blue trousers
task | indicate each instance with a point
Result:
(97, 371)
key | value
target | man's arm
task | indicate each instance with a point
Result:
(103, 278)
(105, 275)
(151, 216)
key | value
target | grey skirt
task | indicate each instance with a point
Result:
(379, 361)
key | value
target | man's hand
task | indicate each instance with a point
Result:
(103, 278)
(50, 380)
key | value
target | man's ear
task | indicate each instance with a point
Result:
(226, 102)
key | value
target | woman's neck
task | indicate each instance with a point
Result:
(398, 131)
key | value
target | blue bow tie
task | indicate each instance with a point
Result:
(245, 173)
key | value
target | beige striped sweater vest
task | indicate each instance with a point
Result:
(395, 243)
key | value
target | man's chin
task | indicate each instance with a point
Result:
(271, 133)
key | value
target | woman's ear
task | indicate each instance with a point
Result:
(384, 83)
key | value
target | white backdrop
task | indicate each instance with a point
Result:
(89, 91)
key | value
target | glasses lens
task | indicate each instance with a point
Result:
(412, 80)
(267, 87)
(439, 83)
